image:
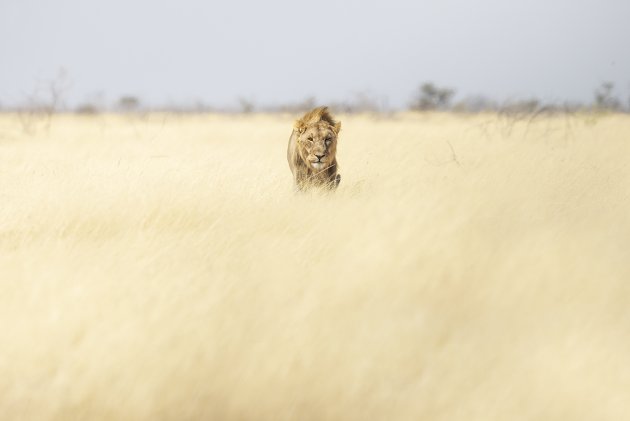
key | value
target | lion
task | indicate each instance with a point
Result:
(312, 150)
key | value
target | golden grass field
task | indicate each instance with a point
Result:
(468, 268)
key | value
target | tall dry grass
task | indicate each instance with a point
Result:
(468, 268)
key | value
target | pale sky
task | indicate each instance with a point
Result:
(279, 51)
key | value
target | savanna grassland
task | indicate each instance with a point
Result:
(469, 267)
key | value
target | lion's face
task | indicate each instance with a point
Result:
(318, 145)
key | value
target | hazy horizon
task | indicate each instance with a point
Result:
(283, 51)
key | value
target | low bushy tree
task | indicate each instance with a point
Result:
(604, 98)
(432, 97)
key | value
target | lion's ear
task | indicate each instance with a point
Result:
(299, 126)
(337, 127)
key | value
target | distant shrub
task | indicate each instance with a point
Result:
(431, 97)
(361, 102)
(128, 103)
(475, 104)
(87, 109)
(521, 106)
(604, 99)
(246, 106)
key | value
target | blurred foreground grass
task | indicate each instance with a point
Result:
(468, 268)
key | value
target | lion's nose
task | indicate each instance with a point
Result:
(320, 156)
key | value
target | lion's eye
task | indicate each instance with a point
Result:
(328, 140)
(310, 139)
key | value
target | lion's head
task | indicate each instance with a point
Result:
(317, 138)
(312, 150)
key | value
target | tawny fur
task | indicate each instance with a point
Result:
(312, 150)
